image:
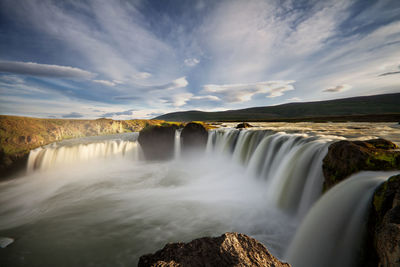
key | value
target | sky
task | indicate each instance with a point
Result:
(141, 59)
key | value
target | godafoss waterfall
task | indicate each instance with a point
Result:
(98, 201)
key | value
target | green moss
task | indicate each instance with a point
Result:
(379, 197)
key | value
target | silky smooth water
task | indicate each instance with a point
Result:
(97, 202)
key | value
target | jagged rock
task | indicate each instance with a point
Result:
(194, 135)
(243, 125)
(229, 249)
(157, 141)
(384, 225)
(347, 157)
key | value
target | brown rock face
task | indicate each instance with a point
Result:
(157, 142)
(243, 125)
(347, 157)
(384, 225)
(194, 136)
(229, 249)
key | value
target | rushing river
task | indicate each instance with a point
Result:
(96, 202)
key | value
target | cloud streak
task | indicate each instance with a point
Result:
(244, 92)
(338, 88)
(44, 70)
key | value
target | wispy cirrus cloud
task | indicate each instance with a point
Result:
(245, 92)
(73, 115)
(191, 62)
(119, 113)
(338, 88)
(44, 70)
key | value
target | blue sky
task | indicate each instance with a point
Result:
(138, 59)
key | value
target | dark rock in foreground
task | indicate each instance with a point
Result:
(194, 136)
(384, 225)
(243, 125)
(157, 141)
(229, 249)
(348, 157)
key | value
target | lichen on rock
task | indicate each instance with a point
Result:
(348, 157)
(383, 239)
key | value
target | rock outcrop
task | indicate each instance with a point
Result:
(194, 136)
(347, 157)
(229, 249)
(157, 141)
(243, 125)
(384, 225)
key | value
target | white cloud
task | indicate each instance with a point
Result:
(105, 82)
(44, 70)
(338, 88)
(178, 83)
(178, 100)
(142, 75)
(294, 99)
(191, 62)
(244, 92)
(206, 97)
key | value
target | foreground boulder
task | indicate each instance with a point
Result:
(384, 225)
(243, 125)
(157, 141)
(229, 249)
(348, 157)
(194, 136)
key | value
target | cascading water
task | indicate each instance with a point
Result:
(177, 144)
(291, 164)
(61, 154)
(114, 207)
(331, 233)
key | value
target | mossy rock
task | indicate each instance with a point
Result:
(345, 158)
(383, 227)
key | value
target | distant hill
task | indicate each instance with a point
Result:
(364, 108)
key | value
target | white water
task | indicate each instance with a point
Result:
(95, 202)
(332, 231)
(67, 153)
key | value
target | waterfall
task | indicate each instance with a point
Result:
(291, 164)
(59, 154)
(331, 233)
(177, 144)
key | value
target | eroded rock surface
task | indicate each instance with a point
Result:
(229, 249)
(157, 141)
(194, 136)
(347, 157)
(243, 125)
(384, 225)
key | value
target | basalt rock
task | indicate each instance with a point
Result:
(243, 125)
(194, 136)
(348, 157)
(157, 141)
(384, 225)
(229, 249)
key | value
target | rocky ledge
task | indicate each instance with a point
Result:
(383, 239)
(348, 157)
(229, 249)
